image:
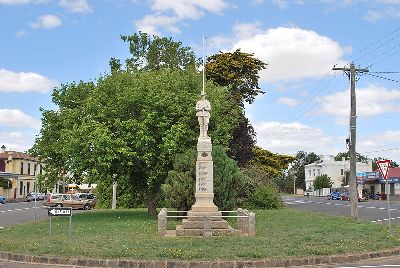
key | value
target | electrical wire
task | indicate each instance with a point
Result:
(385, 78)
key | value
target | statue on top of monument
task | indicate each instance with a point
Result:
(203, 109)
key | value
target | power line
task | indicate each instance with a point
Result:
(383, 150)
(381, 77)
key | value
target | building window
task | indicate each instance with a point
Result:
(341, 172)
(22, 167)
(29, 168)
(318, 172)
(34, 169)
(28, 186)
(21, 185)
(313, 172)
(309, 173)
(41, 169)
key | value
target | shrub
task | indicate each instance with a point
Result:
(266, 197)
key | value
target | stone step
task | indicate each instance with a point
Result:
(199, 232)
(216, 224)
(199, 216)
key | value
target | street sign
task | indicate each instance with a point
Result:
(384, 167)
(59, 212)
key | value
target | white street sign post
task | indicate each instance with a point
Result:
(384, 168)
(60, 211)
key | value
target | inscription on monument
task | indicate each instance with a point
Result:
(203, 179)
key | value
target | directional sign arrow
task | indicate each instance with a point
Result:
(60, 212)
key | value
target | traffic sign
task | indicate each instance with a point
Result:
(384, 167)
(59, 212)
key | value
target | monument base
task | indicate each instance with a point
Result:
(204, 203)
(204, 223)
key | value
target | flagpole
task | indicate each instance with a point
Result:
(203, 92)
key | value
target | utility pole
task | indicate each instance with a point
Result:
(351, 72)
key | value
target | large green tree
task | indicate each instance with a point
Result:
(239, 72)
(151, 52)
(322, 181)
(131, 125)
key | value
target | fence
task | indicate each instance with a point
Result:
(246, 221)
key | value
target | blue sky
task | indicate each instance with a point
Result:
(306, 106)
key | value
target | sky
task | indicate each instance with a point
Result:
(46, 43)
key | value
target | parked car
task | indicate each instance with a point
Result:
(335, 196)
(2, 199)
(53, 200)
(345, 196)
(31, 196)
(68, 200)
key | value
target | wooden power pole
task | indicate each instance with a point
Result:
(351, 72)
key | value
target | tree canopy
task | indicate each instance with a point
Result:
(297, 167)
(151, 52)
(238, 71)
(131, 125)
(322, 181)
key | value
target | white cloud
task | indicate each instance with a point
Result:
(16, 141)
(181, 10)
(246, 30)
(384, 144)
(288, 101)
(15, 2)
(78, 6)
(290, 138)
(17, 118)
(371, 101)
(22, 82)
(150, 23)
(21, 2)
(292, 53)
(46, 22)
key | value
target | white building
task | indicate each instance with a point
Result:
(336, 170)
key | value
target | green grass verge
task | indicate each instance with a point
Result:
(132, 234)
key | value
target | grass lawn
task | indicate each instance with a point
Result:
(132, 234)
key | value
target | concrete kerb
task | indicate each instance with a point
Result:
(129, 263)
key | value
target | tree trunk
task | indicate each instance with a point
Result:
(151, 205)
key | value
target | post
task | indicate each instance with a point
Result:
(49, 225)
(162, 222)
(388, 206)
(114, 194)
(294, 185)
(252, 224)
(35, 196)
(352, 145)
(70, 226)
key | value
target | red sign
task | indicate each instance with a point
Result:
(384, 167)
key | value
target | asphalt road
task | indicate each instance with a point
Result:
(23, 212)
(371, 210)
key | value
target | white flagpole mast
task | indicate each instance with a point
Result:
(203, 92)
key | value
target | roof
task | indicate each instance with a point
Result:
(17, 155)
(394, 172)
